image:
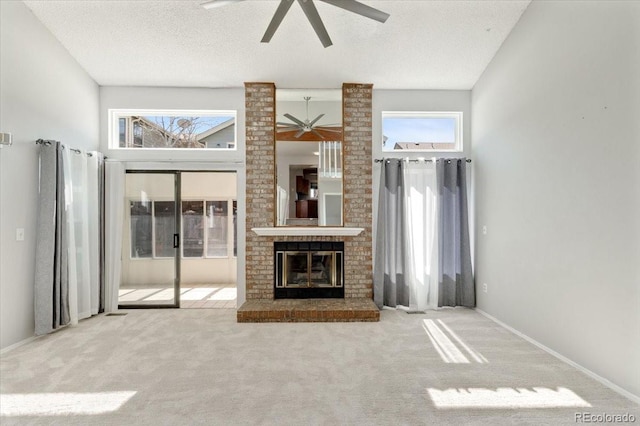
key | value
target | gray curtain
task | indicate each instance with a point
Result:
(51, 291)
(456, 286)
(389, 287)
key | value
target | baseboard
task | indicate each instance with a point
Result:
(606, 382)
(17, 345)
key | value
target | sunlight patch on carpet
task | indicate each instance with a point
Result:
(477, 356)
(537, 397)
(62, 404)
(444, 340)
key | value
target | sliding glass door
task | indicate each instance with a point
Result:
(151, 240)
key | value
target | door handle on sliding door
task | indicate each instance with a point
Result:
(176, 240)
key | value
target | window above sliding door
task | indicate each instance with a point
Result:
(172, 129)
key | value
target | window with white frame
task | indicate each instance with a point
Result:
(172, 129)
(208, 231)
(419, 131)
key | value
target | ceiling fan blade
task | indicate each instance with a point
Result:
(317, 134)
(212, 4)
(328, 129)
(287, 129)
(359, 8)
(300, 133)
(295, 120)
(281, 11)
(279, 123)
(316, 119)
(310, 10)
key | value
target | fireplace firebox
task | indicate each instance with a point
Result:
(309, 269)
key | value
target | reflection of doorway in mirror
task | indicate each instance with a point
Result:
(304, 208)
(331, 209)
(305, 172)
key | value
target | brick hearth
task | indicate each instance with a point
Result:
(309, 310)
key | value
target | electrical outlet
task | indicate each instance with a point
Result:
(485, 287)
(484, 230)
(20, 234)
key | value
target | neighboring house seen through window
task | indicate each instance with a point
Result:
(161, 129)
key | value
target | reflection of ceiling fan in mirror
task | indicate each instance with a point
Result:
(310, 129)
(311, 13)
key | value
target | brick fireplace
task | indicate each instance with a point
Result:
(260, 194)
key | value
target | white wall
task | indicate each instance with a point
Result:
(557, 167)
(44, 93)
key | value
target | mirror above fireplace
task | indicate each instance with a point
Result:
(308, 153)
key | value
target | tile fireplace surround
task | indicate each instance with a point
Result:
(260, 305)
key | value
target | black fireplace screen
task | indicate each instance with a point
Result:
(309, 269)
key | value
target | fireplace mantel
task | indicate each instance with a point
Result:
(308, 231)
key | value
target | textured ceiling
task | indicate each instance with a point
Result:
(423, 45)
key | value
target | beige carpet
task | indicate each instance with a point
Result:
(190, 367)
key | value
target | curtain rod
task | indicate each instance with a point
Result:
(380, 160)
(48, 142)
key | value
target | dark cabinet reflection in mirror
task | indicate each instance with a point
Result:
(309, 158)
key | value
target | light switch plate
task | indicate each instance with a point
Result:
(20, 234)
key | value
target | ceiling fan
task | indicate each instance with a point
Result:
(311, 12)
(306, 125)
